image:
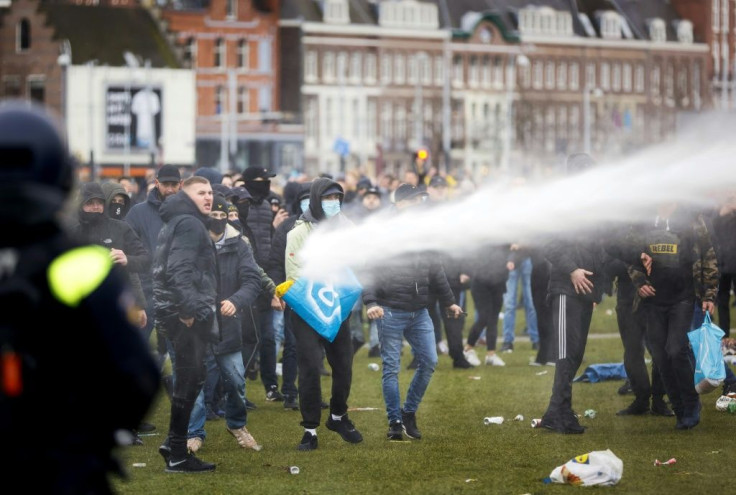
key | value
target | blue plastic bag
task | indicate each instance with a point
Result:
(324, 305)
(706, 344)
(599, 372)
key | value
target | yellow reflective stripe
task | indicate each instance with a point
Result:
(77, 273)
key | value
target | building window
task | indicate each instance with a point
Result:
(627, 78)
(23, 35)
(231, 9)
(425, 68)
(550, 75)
(473, 72)
(387, 122)
(311, 119)
(457, 71)
(264, 99)
(639, 78)
(562, 76)
(243, 100)
(669, 81)
(310, 67)
(328, 67)
(485, 71)
(605, 76)
(413, 70)
(329, 119)
(574, 76)
(657, 31)
(399, 69)
(538, 75)
(498, 72)
(264, 56)
(386, 65)
(243, 54)
(439, 70)
(190, 51)
(342, 67)
(356, 68)
(371, 121)
(370, 68)
(356, 121)
(219, 99)
(616, 83)
(656, 81)
(11, 86)
(610, 24)
(590, 76)
(220, 53)
(400, 123)
(37, 88)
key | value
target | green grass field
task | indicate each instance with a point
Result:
(458, 453)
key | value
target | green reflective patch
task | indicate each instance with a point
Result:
(77, 273)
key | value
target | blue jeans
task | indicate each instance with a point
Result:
(278, 330)
(232, 374)
(522, 273)
(416, 327)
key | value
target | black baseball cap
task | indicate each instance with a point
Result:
(438, 181)
(168, 173)
(253, 173)
(373, 190)
(407, 191)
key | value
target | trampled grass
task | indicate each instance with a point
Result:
(458, 453)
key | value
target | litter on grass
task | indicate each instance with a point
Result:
(657, 462)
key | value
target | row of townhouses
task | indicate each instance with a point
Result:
(488, 87)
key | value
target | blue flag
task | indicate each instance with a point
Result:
(324, 305)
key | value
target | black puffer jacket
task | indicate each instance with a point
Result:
(240, 283)
(260, 222)
(489, 264)
(185, 265)
(724, 240)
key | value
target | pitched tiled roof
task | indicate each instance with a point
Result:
(105, 33)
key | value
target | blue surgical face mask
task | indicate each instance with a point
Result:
(331, 207)
(304, 205)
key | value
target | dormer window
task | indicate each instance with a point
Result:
(657, 31)
(408, 14)
(610, 25)
(684, 32)
(336, 12)
(544, 21)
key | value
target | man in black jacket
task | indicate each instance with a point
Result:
(576, 284)
(185, 297)
(398, 296)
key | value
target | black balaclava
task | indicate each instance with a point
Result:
(259, 189)
(217, 225)
(91, 190)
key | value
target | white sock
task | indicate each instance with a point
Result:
(312, 431)
(336, 418)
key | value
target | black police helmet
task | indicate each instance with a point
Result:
(33, 149)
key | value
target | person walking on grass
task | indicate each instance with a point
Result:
(397, 296)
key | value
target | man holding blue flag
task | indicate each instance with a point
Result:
(320, 304)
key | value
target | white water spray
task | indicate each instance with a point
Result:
(692, 169)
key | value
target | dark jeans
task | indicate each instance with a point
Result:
(309, 357)
(632, 327)
(540, 281)
(488, 299)
(189, 372)
(571, 323)
(258, 337)
(667, 328)
(727, 281)
(453, 326)
(288, 358)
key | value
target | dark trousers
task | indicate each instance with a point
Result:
(288, 358)
(488, 299)
(725, 283)
(258, 337)
(539, 282)
(632, 328)
(667, 328)
(309, 358)
(453, 326)
(189, 374)
(570, 322)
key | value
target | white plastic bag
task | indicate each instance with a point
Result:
(600, 467)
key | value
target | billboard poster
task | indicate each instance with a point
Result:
(133, 115)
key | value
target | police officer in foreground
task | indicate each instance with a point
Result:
(73, 368)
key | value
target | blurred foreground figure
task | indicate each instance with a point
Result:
(73, 368)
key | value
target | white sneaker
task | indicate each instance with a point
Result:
(442, 347)
(194, 444)
(494, 360)
(245, 439)
(471, 357)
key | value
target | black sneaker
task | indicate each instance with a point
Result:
(395, 431)
(507, 347)
(635, 409)
(290, 402)
(659, 408)
(409, 420)
(190, 464)
(309, 442)
(567, 426)
(692, 419)
(165, 451)
(249, 405)
(273, 395)
(374, 351)
(462, 364)
(146, 428)
(345, 428)
(625, 388)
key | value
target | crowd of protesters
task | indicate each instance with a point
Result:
(206, 252)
